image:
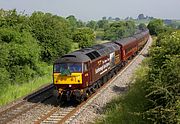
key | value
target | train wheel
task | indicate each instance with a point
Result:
(109, 75)
(98, 84)
(89, 92)
(93, 90)
(104, 79)
(85, 96)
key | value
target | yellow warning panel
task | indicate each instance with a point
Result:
(74, 78)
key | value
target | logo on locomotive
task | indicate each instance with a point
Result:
(106, 64)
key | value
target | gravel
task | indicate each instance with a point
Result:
(32, 115)
(118, 86)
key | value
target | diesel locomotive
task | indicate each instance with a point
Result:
(78, 74)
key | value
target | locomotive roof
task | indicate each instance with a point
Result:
(138, 36)
(77, 56)
(126, 41)
(88, 54)
(106, 48)
(141, 34)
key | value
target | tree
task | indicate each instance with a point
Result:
(104, 18)
(14, 20)
(80, 24)
(110, 18)
(130, 27)
(103, 24)
(91, 24)
(142, 26)
(178, 27)
(141, 16)
(19, 55)
(84, 36)
(72, 21)
(117, 19)
(52, 33)
(156, 27)
(118, 30)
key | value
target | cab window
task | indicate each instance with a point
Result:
(72, 67)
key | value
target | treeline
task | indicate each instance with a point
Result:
(113, 30)
(28, 43)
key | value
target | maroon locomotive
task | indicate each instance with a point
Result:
(78, 74)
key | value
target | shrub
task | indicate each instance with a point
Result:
(164, 76)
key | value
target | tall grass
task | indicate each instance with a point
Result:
(128, 108)
(15, 91)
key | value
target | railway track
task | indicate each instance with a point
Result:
(59, 115)
(26, 104)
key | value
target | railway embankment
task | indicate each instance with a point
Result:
(154, 96)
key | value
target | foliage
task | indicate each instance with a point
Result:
(80, 24)
(118, 30)
(99, 34)
(156, 27)
(20, 54)
(84, 36)
(103, 24)
(14, 20)
(164, 76)
(72, 21)
(91, 24)
(142, 26)
(52, 33)
(178, 27)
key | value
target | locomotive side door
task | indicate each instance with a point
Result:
(87, 73)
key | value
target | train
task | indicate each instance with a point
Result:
(78, 74)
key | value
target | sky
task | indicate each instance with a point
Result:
(95, 9)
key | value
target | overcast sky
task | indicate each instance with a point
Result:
(96, 9)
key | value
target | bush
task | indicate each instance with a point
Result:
(164, 76)
(20, 54)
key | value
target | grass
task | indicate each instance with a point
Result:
(13, 92)
(128, 108)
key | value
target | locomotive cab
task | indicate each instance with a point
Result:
(68, 73)
(68, 79)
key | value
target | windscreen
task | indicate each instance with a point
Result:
(65, 67)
